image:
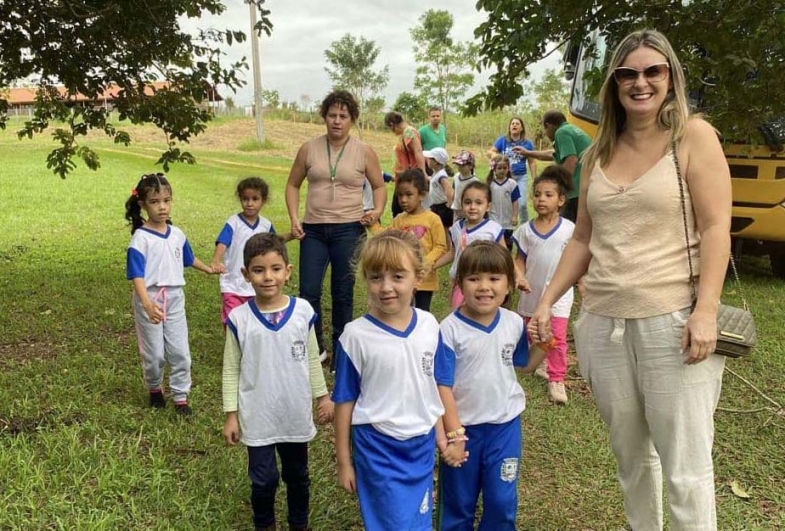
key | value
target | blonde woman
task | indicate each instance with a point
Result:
(645, 352)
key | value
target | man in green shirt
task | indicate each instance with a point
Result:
(569, 143)
(433, 134)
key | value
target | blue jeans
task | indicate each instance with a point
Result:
(523, 188)
(329, 244)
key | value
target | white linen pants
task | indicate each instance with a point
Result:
(660, 413)
(164, 342)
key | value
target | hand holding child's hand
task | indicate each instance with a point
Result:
(219, 268)
(523, 284)
(231, 430)
(455, 455)
(325, 409)
(346, 478)
(370, 217)
(441, 444)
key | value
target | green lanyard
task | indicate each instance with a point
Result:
(333, 169)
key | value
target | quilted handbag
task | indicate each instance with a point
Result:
(736, 333)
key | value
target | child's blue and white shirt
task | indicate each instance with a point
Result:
(159, 258)
(502, 196)
(274, 399)
(481, 363)
(542, 253)
(234, 235)
(391, 374)
(461, 237)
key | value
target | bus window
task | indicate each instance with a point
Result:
(588, 79)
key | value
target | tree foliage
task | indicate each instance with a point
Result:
(271, 98)
(551, 91)
(89, 46)
(733, 52)
(413, 106)
(351, 68)
(444, 67)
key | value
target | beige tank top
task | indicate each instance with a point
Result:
(639, 264)
(338, 200)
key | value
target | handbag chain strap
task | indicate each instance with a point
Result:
(687, 235)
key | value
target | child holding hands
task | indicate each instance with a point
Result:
(482, 398)
(155, 261)
(387, 403)
(271, 374)
(540, 245)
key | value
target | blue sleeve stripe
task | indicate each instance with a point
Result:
(520, 358)
(225, 237)
(516, 194)
(188, 255)
(313, 320)
(231, 326)
(134, 264)
(272, 229)
(444, 365)
(347, 379)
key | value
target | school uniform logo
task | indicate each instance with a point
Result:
(509, 471)
(507, 194)
(299, 351)
(427, 363)
(424, 504)
(177, 252)
(507, 351)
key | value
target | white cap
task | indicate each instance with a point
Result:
(438, 154)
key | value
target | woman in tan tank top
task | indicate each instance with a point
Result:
(336, 166)
(645, 353)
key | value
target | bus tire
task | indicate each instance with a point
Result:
(777, 259)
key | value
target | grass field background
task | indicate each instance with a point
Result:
(79, 449)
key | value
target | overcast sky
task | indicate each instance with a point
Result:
(293, 57)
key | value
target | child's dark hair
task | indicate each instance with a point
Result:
(558, 175)
(414, 177)
(152, 182)
(484, 256)
(263, 243)
(254, 183)
(496, 159)
(388, 250)
(477, 185)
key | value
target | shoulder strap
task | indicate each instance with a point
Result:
(687, 234)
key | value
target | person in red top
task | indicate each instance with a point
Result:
(408, 152)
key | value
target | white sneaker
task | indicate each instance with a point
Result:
(323, 356)
(557, 393)
(542, 371)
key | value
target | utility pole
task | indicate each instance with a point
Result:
(257, 76)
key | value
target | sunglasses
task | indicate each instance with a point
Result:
(625, 75)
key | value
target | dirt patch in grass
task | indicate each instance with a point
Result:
(27, 352)
(49, 418)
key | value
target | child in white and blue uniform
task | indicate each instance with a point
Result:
(482, 397)
(156, 258)
(253, 194)
(387, 403)
(271, 376)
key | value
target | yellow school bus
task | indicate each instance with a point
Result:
(757, 172)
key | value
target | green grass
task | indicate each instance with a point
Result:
(79, 449)
(252, 144)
